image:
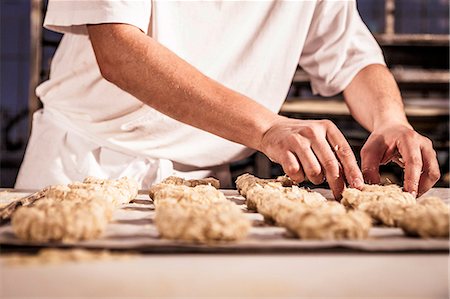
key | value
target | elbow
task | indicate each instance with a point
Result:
(108, 70)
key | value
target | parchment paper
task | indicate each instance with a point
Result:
(133, 229)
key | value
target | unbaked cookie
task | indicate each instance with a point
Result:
(200, 194)
(328, 223)
(54, 219)
(352, 197)
(427, 219)
(200, 222)
(258, 195)
(247, 181)
(173, 180)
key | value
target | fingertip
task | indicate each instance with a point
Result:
(411, 189)
(357, 183)
(337, 195)
(371, 177)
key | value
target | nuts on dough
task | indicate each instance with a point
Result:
(352, 197)
(201, 193)
(199, 213)
(78, 211)
(427, 219)
(247, 181)
(199, 222)
(53, 219)
(173, 180)
(307, 214)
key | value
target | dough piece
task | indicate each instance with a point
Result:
(173, 180)
(56, 219)
(107, 192)
(352, 198)
(307, 214)
(258, 194)
(429, 218)
(426, 223)
(199, 222)
(202, 194)
(127, 187)
(247, 181)
(387, 211)
(328, 223)
(192, 183)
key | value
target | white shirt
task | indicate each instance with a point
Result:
(252, 47)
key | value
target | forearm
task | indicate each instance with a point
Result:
(374, 99)
(152, 73)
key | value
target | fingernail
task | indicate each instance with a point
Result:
(358, 183)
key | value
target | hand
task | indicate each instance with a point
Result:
(314, 149)
(401, 144)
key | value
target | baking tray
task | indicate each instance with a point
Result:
(132, 228)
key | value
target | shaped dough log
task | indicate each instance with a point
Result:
(200, 222)
(352, 198)
(200, 194)
(427, 219)
(54, 219)
(247, 181)
(260, 196)
(127, 187)
(307, 214)
(173, 180)
(328, 223)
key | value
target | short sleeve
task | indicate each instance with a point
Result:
(72, 16)
(337, 47)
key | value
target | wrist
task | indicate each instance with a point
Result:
(392, 115)
(264, 128)
(389, 121)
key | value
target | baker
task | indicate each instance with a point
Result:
(154, 88)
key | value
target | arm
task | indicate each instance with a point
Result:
(141, 66)
(375, 101)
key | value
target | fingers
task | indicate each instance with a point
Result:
(411, 154)
(330, 165)
(371, 155)
(292, 167)
(346, 157)
(430, 170)
(309, 163)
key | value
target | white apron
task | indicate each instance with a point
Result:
(71, 156)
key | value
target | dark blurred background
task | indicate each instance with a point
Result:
(414, 35)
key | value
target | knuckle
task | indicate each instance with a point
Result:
(292, 139)
(331, 166)
(411, 134)
(308, 132)
(314, 172)
(291, 169)
(297, 177)
(428, 142)
(365, 150)
(345, 151)
(434, 174)
(414, 161)
(326, 123)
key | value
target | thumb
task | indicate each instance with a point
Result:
(371, 155)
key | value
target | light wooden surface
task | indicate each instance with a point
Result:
(245, 276)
